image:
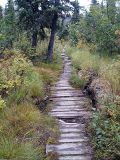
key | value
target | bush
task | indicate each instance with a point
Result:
(19, 78)
(106, 135)
(24, 45)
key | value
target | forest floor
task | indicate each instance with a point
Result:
(70, 109)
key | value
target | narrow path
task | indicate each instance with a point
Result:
(70, 111)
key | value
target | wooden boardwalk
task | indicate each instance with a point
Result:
(69, 108)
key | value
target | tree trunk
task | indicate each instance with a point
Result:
(52, 37)
(34, 39)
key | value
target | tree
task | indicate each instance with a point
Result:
(1, 13)
(1, 18)
(53, 29)
(1, 28)
(9, 23)
(57, 8)
(95, 27)
(32, 18)
(111, 10)
(76, 11)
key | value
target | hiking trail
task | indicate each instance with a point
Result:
(69, 108)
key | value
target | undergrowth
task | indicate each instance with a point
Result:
(105, 128)
(24, 129)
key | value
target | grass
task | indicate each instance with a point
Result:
(105, 130)
(9, 149)
(24, 130)
(106, 67)
(76, 82)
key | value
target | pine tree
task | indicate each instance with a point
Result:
(111, 10)
(1, 13)
(9, 23)
(76, 11)
(1, 18)
(57, 8)
(31, 18)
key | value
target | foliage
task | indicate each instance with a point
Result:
(9, 24)
(32, 19)
(105, 122)
(106, 131)
(105, 67)
(24, 130)
(23, 45)
(18, 78)
(98, 27)
(74, 34)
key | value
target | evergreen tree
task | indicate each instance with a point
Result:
(1, 13)
(76, 11)
(32, 18)
(1, 28)
(111, 10)
(9, 23)
(57, 8)
(1, 18)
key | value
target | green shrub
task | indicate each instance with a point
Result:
(24, 45)
(19, 79)
(106, 133)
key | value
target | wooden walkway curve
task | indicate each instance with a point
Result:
(70, 111)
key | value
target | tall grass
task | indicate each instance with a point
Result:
(105, 130)
(106, 67)
(21, 129)
(9, 149)
(24, 130)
